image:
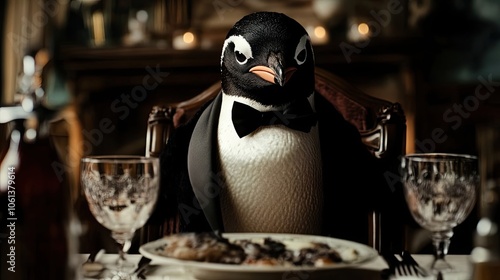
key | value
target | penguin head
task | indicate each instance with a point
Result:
(268, 57)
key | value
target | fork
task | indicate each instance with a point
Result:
(142, 267)
(405, 267)
(411, 265)
(395, 265)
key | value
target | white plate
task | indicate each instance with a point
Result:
(204, 270)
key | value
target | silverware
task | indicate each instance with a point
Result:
(142, 267)
(407, 266)
(91, 268)
(393, 263)
(412, 264)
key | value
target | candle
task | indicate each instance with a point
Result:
(318, 35)
(359, 31)
(184, 40)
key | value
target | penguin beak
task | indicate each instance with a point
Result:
(276, 75)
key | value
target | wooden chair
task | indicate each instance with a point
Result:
(381, 124)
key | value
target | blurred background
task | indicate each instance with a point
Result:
(105, 63)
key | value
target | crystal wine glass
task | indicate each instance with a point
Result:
(121, 192)
(440, 190)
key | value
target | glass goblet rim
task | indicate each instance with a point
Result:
(129, 159)
(439, 157)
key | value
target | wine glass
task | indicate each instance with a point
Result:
(440, 190)
(121, 192)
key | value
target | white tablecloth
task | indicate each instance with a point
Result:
(369, 270)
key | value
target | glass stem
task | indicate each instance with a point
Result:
(441, 242)
(123, 242)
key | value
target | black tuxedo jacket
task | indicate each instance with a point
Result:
(352, 180)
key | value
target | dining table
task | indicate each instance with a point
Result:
(371, 269)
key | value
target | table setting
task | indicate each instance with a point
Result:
(376, 269)
(122, 191)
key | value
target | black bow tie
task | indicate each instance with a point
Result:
(298, 116)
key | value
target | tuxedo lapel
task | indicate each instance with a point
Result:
(203, 174)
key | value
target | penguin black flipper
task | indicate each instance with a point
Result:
(176, 187)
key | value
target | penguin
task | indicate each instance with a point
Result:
(272, 174)
(268, 153)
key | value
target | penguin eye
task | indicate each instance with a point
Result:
(242, 49)
(301, 51)
(301, 57)
(241, 58)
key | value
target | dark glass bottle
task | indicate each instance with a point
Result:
(38, 228)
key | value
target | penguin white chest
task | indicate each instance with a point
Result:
(273, 178)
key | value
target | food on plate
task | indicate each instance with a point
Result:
(213, 248)
(204, 247)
